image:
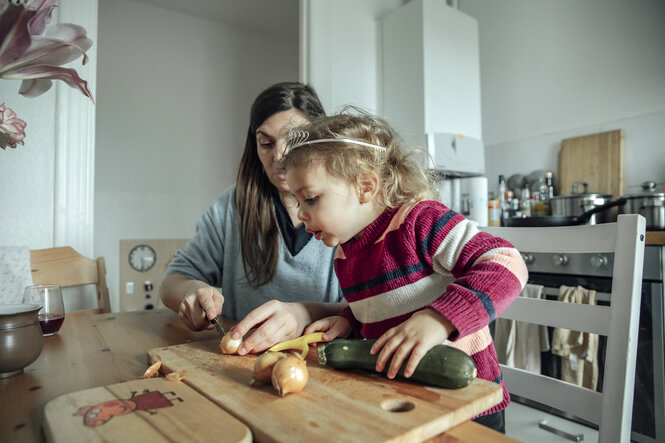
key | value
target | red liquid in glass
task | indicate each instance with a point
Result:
(50, 325)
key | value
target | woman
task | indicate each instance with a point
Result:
(251, 244)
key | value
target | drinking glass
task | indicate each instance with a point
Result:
(49, 297)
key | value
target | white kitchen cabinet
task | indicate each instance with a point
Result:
(431, 71)
(339, 43)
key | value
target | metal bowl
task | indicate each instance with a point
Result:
(21, 338)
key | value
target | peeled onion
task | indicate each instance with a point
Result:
(289, 375)
(263, 365)
(229, 345)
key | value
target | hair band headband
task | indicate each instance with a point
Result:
(346, 140)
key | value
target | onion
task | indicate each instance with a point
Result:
(289, 375)
(264, 363)
(229, 345)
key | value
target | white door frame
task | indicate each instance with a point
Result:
(75, 141)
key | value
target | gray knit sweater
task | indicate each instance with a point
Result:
(213, 256)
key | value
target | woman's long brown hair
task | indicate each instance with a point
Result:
(259, 233)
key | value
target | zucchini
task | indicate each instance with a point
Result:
(442, 366)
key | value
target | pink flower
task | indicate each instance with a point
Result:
(32, 53)
(11, 128)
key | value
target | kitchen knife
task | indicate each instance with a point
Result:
(217, 321)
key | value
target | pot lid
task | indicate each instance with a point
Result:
(584, 195)
(648, 190)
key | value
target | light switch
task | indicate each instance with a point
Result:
(129, 287)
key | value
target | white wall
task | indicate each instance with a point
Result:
(27, 172)
(555, 69)
(172, 115)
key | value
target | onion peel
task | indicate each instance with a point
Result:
(300, 343)
(152, 370)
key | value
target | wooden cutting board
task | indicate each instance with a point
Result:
(334, 406)
(597, 159)
(149, 410)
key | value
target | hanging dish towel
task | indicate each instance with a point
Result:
(578, 350)
(14, 273)
(519, 344)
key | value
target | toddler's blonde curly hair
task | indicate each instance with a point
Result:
(403, 179)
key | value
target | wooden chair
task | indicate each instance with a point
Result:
(65, 267)
(611, 410)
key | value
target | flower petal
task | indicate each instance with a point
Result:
(42, 17)
(14, 35)
(71, 34)
(68, 43)
(67, 75)
(12, 128)
(34, 87)
(48, 51)
(36, 59)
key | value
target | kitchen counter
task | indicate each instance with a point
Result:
(102, 349)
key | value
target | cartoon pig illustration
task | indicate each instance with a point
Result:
(100, 413)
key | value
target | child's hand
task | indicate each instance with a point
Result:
(420, 333)
(332, 327)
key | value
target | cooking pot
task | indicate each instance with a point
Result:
(21, 338)
(576, 204)
(648, 203)
(561, 220)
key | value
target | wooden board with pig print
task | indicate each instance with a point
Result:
(140, 410)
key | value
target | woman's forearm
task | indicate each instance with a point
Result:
(175, 287)
(315, 311)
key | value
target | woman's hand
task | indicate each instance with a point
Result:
(199, 306)
(279, 321)
(194, 301)
(420, 333)
(332, 327)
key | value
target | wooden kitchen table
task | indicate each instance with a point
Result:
(93, 350)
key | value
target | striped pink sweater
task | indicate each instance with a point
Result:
(426, 255)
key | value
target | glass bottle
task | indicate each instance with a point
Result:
(494, 212)
(525, 201)
(539, 205)
(549, 185)
(515, 205)
(548, 193)
(538, 186)
(506, 208)
(501, 191)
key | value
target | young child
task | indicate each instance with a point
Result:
(414, 273)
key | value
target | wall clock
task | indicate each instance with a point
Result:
(142, 258)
